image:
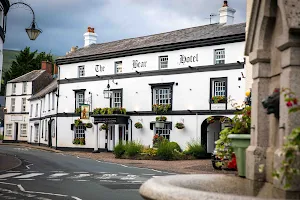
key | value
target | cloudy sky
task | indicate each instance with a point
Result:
(65, 21)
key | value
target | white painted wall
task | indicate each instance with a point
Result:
(233, 53)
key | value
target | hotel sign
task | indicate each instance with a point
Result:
(99, 68)
(188, 59)
(137, 64)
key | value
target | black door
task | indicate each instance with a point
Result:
(16, 131)
(50, 133)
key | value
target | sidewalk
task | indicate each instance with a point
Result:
(8, 162)
(33, 147)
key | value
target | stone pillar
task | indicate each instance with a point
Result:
(116, 135)
(96, 149)
(255, 154)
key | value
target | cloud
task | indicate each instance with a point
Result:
(64, 22)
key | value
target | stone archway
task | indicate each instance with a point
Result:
(210, 129)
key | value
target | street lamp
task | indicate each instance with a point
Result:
(32, 31)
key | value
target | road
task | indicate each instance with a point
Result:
(46, 175)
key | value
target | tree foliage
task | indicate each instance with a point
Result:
(25, 62)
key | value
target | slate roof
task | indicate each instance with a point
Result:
(178, 36)
(30, 76)
(49, 88)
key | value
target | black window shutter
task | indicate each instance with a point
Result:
(151, 125)
(72, 127)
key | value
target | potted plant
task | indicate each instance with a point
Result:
(160, 109)
(160, 122)
(80, 141)
(240, 137)
(123, 111)
(138, 125)
(179, 125)
(88, 125)
(218, 99)
(116, 111)
(77, 122)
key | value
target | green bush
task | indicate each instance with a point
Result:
(1, 137)
(176, 146)
(133, 148)
(195, 149)
(119, 150)
(168, 150)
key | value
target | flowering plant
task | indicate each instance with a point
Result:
(138, 125)
(218, 99)
(77, 122)
(157, 140)
(161, 108)
(210, 120)
(88, 125)
(103, 127)
(161, 118)
(80, 141)
(179, 125)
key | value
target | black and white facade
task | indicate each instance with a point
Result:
(184, 68)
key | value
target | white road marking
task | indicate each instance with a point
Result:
(27, 166)
(148, 174)
(9, 175)
(76, 198)
(123, 173)
(79, 172)
(81, 180)
(57, 171)
(3, 179)
(28, 179)
(31, 171)
(58, 175)
(108, 181)
(107, 176)
(136, 181)
(80, 176)
(129, 177)
(29, 175)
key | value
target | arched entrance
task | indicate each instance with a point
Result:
(210, 129)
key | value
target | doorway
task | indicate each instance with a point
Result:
(111, 136)
(16, 131)
(50, 132)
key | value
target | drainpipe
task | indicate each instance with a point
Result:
(196, 125)
(130, 129)
(57, 96)
(40, 125)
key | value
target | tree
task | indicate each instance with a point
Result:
(25, 62)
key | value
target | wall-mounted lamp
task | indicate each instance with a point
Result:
(139, 73)
(243, 75)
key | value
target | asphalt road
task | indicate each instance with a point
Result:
(45, 175)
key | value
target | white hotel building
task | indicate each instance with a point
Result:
(184, 68)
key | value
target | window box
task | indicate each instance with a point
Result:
(79, 141)
(218, 99)
(159, 124)
(218, 106)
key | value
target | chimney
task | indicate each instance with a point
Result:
(226, 14)
(90, 37)
(46, 65)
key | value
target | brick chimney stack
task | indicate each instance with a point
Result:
(46, 65)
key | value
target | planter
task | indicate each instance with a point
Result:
(159, 124)
(218, 106)
(240, 142)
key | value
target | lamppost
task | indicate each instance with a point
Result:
(32, 31)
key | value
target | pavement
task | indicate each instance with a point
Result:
(50, 175)
(8, 162)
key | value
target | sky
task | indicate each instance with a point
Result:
(64, 22)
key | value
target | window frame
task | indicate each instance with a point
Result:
(12, 105)
(167, 128)
(36, 109)
(23, 108)
(24, 89)
(81, 71)
(211, 89)
(22, 129)
(8, 129)
(215, 56)
(79, 128)
(77, 92)
(14, 88)
(155, 86)
(36, 133)
(160, 62)
(31, 109)
(112, 97)
(116, 64)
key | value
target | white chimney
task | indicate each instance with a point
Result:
(90, 37)
(226, 14)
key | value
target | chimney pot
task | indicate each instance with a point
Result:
(90, 37)
(226, 14)
(225, 4)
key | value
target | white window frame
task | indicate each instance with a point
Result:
(14, 88)
(31, 110)
(23, 105)
(79, 98)
(24, 87)
(23, 130)
(162, 95)
(219, 56)
(9, 129)
(116, 99)
(81, 71)
(219, 88)
(163, 62)
(53, 100)
(118, 67)
(53, 128)
(37, 110)
(36, 133)
(79, 132)
(13, 105)
(164, 132)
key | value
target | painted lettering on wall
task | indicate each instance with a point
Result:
(99, 68)
(137, 64)
(187, 59)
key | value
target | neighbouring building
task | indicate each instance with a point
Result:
(185, 69)
(4, 7)
(17, 107)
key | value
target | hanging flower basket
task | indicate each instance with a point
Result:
(89, 125)
(179, 125)
(77, 122)
(103, 127)
(138, 125)
(210, 120)
(161, 118)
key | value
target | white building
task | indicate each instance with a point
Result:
(4, 7)
(42, 115)
(183, 68)
(17, 107)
